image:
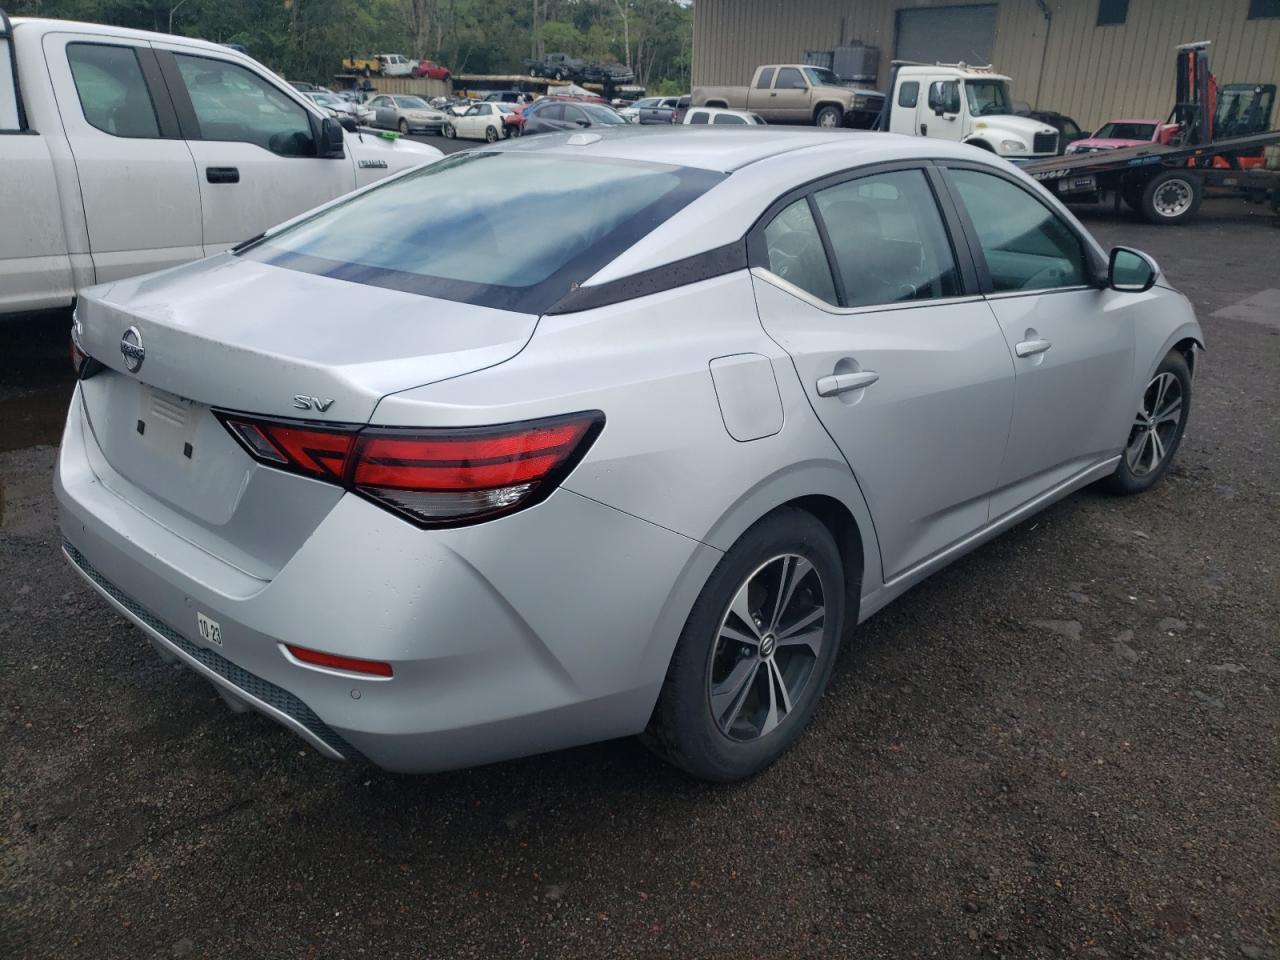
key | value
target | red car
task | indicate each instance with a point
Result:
(431, 69)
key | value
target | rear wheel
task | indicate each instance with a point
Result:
(491, 133)
(828, 117)
(1172, 196)
(756, 652)
(1157, 428)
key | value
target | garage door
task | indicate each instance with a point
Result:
(946, 34)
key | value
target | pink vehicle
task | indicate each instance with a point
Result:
(1125, 133)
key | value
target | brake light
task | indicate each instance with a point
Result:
(432, 477)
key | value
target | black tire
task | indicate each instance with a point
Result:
(558, 75)
(1134, 473)
(448, 131)
(404, 127)
(829, 117)
(366, 71)
(683, 729)
(490, 134)
(1171, 196)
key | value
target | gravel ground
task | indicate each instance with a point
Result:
(1063, 745)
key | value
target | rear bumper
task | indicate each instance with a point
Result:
(546, 629)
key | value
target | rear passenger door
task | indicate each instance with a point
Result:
(860, 281)
(253, 145)
(1071, 343)
(137, 179)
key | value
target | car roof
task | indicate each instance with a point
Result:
(48, 25)
(732, 149)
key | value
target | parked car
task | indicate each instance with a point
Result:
(658, 110)
(431, 70)
(1115, 134)
(556, 66)
(142, 184)
(797, 93)
(383, 64)
(339, 106)
(482, 121)
(702, 116)
(1068, 130)
(408, 114)
(607, 73)
(549, 116)
(506, 506)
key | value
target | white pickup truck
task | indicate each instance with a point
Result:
(123, 152)
(955, 101)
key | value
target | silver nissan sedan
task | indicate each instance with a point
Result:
(438, 474)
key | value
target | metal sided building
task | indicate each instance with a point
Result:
(1091, 59)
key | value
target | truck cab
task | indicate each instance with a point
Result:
(967, 104)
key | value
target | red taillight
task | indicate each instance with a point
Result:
(373, 668)
(434, 477)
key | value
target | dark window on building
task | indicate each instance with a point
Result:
(908, 93)
(1262, 9)
(1111, 12)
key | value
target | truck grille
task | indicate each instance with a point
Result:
(250, 683)
(1045, 143)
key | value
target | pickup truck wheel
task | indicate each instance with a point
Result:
(828, 117)
(366, 71)
(1172, 196)
(559, 75)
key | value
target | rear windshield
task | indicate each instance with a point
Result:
(1126, 131)
(516, 231)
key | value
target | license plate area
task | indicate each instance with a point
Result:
(1087, 184)
(166, 424)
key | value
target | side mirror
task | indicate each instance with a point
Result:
(349, 122)
(938, 97)
(1131, 271)
(330, 141)
(583, 123)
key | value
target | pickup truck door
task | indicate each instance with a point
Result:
(789, 98)
(252, 143)
(137, 178)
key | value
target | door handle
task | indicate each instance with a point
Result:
(1029, 348)
(222, 174)
(838, 383)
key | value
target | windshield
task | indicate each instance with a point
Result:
(327, 99)
(412, 103)
(443, 230)
(987, 97)
(821, 76)
(599, 114)
(1126, 131)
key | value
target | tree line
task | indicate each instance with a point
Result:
(307, 39)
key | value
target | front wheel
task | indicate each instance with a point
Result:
(828, 118)
(1172, 196)
(448, 131)
(1157, 428)
(404, 127)
(756, 652)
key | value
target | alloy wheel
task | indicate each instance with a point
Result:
(1173, 198)
(767, 647)
(1155, 427)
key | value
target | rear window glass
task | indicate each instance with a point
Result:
(510, 230)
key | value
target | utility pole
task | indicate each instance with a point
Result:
(172, 11)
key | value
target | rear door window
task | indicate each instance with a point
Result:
(888, 239)
(233, 103)
(765, 79)
(445, 231)
(795, 251)
(112, 91)
(698, 116)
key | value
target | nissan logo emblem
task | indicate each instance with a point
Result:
(131, 349)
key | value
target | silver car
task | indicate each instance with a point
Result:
(407, 114)
(629, 449)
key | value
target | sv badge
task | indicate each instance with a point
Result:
(308, 403)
